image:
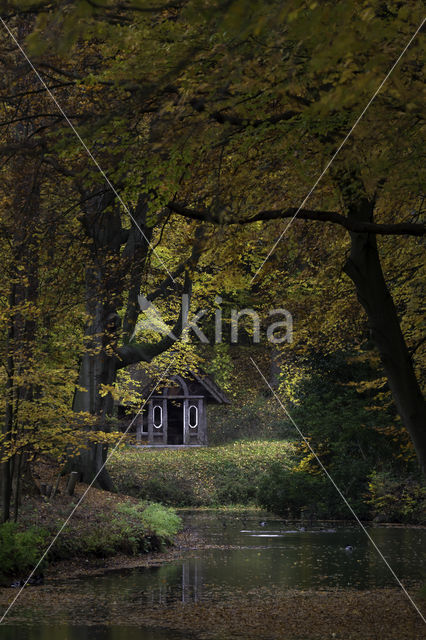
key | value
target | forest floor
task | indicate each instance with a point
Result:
(40, 511)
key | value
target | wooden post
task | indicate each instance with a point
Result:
(139, 424)
(202, 422)
(165, 421)
(150, 427)
(185, 421)
(72, 481)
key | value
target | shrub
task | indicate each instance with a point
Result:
(291, 492)
(397, 499)
(20, 550)
(162, 521)
(247, 420)
(353, 432)
(126, 528)
(287, 493)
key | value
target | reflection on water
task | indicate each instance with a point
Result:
(283, 556)
(74, 632)
(242, 555)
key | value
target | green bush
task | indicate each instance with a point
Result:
(288, 493)
(246, 421)
(162, 521)
(96, 531)
(129, 528)
(20, 551)
(353, 433)
(397, 499)
(293, 493)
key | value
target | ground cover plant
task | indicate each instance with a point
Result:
(20, 550)
(220, 475)
(103, 525)
(273, 475)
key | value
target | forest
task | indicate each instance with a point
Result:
(233, 188)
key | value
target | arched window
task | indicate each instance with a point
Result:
(157, 416)
(193, 416)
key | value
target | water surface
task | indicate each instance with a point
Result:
(240, 555)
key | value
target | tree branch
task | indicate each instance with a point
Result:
(162, 288)
(221, 117)
(132, 353)
(224, 217)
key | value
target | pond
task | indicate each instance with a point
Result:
(239, 553)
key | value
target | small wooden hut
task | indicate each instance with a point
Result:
(176, 414)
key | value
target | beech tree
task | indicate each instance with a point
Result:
(235, 110)
(37, 313)
(115, 250)
(299, 107)
(118, 259)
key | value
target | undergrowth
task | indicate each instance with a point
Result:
(124, 527)
(212, 476)
(20, 550)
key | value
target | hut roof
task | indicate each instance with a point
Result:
(144, 383)
(211, 387)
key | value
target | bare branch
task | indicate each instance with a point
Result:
(224, 217)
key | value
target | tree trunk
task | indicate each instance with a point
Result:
(17, 500)
(94, 371)
(110, 272)
(364, 268)
(97, 368)
(103, 291)
(6, 484)
(6, 476)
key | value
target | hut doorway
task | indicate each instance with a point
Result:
(176, 417)
(175, 420)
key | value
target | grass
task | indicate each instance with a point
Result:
(204, 477)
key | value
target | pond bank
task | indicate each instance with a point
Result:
(184, 542)
(104, 525)
(234, 576)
